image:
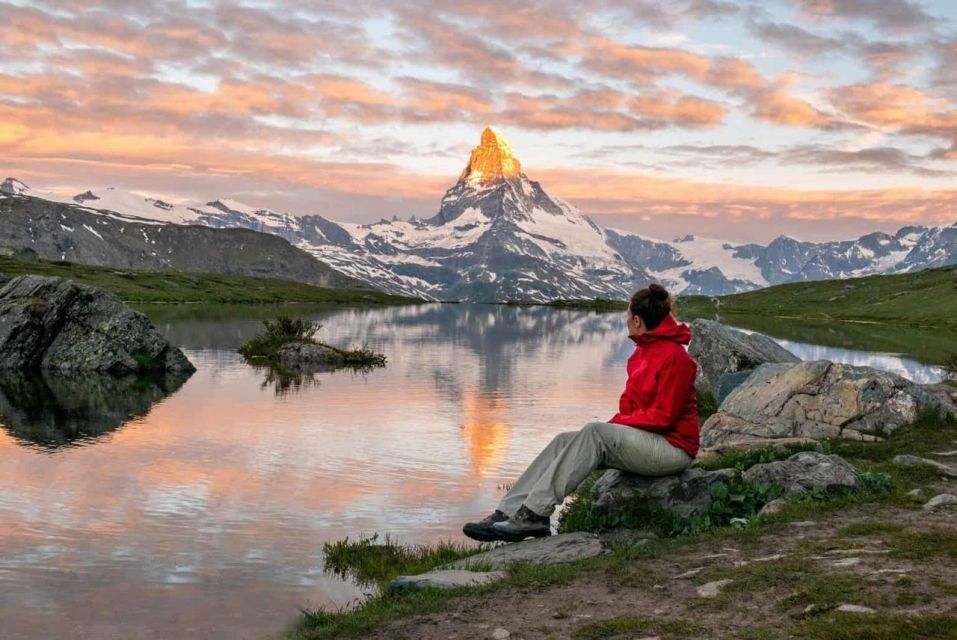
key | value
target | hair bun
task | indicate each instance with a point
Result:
(658, 291)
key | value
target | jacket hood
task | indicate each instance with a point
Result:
(669, 329)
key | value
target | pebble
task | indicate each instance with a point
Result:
(501, 634)
(855, 608)
(946, 454)
(712, 589)
(804, 523)
(846, 562)
(916, 493)
(689, 573)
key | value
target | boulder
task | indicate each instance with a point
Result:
(565, 547)
(445, 579)
(719, 349)
(689, 493)
(308, 355)
(816, 399)
(945, 394)
(943, 500)
(728, 382)
(51, 323)
(686, 494)
(806, 471)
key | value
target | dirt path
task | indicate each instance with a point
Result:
(901, 563)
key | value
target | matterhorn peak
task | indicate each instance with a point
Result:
(491, 161)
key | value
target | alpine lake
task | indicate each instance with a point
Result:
(198, 507)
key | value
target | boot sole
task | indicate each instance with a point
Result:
(482, 534)
(518, 537)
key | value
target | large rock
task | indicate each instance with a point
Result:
(308, 355)
(565, 547)
(806, 471)
(719, 349)
(689, 493)
(816, 399)
(51, 323)
(686, 494)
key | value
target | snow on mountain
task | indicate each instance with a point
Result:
(498, 235)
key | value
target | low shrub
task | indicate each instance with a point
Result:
(276, 333)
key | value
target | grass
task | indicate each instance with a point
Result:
(866, 313)
(373, 562)
(629, 626)
(265, 346)
(148, 287)
(800, 584)
(846, 626)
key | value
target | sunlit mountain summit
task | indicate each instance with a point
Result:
(498, 235)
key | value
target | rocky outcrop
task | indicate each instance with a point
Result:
(51, 323)
(689, 493)
(807, 471)
(817, 399)
(686, 494)
(78, 234)
(308, 355)
(719, 349)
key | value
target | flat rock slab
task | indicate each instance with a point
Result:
(445, 579)
(941, 501)
(712, 589)
(909, 461)
(565, 547)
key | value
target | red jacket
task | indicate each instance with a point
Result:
(660, 395)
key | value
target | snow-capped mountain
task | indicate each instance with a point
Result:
(498, 236)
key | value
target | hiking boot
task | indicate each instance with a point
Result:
(482, 530)
(525, 524)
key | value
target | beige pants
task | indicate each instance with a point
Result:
(571, 456)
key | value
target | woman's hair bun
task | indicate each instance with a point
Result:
(658, 291)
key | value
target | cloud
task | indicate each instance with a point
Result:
(889, 15)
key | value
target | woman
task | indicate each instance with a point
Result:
(654, 433)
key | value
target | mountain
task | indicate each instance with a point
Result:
(59, 231)
(498, 235)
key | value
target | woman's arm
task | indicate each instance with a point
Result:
(675, 382)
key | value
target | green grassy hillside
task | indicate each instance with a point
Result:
(921, 299)
(154, 287)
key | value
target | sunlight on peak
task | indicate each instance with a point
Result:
(492, 160)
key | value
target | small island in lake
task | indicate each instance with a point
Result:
(291, 344)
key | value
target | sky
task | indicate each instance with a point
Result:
(820, 119)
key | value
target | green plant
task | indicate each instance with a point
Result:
(276, 333)
(371, 561)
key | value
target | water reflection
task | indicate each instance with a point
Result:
(49, 409)
(205, 516)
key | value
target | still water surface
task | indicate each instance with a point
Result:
(198, 508)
